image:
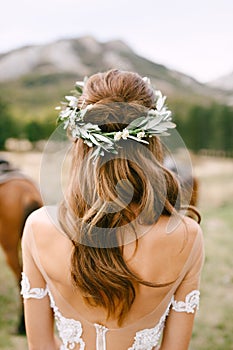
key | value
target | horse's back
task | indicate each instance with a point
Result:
(18, 195)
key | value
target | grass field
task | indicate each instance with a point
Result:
(213, 328)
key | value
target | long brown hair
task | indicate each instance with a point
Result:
(100, 194)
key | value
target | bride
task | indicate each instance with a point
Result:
(117, 265)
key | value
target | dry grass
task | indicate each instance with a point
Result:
(214, 323)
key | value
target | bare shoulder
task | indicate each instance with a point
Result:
(171, 232)
(176, 238)
(165, 248)
(192, 225)
(189, 235)
(175, 229)
(43, 222)
(45, 215)
(193, 229)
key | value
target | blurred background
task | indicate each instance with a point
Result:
(185, 47)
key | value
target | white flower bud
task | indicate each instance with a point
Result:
(141, 134)
(118, 136)
(89, 107)
(80, 83)
(125, 134)
(146, 80)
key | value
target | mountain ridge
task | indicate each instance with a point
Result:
(84, 56)
(224, 82)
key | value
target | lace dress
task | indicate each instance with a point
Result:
(73, 329)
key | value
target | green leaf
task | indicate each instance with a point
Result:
(84, 133)
(153, 121)
(137, 139)
(93, 140)
(114, 151)
(95, 153)
(137, 123)
(103, 138)
(164, 126)
(91, 127)
(89, 143)
(79, 89)
(169, 125)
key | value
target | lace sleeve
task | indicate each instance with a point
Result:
(27, 292)
(191, 302)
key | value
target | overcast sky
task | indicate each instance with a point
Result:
(194, 37)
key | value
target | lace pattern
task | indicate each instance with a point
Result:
(191, 302)
(100, 336)
(27, 292)
(70, 331)
(147, 339)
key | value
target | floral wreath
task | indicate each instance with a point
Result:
(156, 121)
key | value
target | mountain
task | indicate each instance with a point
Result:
(38, 76)
(85, 56)
(80, 56)
(225, 82)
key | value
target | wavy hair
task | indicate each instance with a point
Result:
(99, 205)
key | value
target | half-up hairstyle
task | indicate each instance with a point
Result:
(101, 195)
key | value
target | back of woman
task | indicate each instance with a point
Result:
(116, 264)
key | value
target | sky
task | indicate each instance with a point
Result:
(194, 37)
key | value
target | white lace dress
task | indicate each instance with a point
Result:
(70, 330)
(77, 332)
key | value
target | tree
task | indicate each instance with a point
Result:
(37, 130)
(8, 126)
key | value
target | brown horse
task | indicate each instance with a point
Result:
(19, 196)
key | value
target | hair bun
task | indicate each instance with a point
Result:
(118, 97)
(117, 86)
(113, 116)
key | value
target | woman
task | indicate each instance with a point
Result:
(121, 270)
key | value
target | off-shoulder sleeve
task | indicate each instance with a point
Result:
(187, 294)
